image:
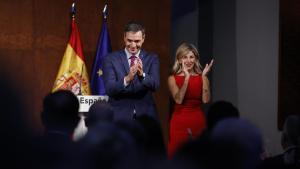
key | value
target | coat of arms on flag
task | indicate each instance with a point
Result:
(72, 74)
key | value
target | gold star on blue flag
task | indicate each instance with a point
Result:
(100, 72)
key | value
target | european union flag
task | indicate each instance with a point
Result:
(103, 48)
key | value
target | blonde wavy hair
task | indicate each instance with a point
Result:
(181, 51)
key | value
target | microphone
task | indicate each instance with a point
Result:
(190, 133)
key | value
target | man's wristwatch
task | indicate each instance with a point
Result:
(143, 76)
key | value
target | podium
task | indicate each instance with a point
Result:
(85, 101)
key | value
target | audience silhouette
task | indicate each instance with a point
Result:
(228, 142)
(106, 146)
(60, 117)
(236, 144)
(290, 141)
(198, 153)
(154, 145)
(14, 130)
(98, 112)
(220, 110)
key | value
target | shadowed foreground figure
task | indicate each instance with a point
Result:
(60, 117)
(100, 111)
(236, 144)
(60, 112)
(106, 146)
(197, 153)
(220, 110)
(137, 132)
(290, 141)
(154, 143)
(15, 137)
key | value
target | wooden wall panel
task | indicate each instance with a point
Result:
(34, 35)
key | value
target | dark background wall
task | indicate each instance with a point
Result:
(34, 35)
(289, 86)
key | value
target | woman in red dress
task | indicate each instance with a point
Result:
(189, 87)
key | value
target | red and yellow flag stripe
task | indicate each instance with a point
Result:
(72, 74)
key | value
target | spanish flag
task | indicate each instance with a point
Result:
(72, 74)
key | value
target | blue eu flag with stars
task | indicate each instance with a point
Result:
(103, 48)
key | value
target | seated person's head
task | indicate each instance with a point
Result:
(290, 140)
(154, 142)
(291, 131)
(99, 111)
(60, 111)
(220, 110)
(236, 144)
(106, 146)
(135, 129)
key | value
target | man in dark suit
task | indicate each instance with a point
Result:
(59, 117)
(131, 75)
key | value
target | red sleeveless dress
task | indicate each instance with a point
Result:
(188, 120)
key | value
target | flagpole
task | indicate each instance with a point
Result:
(104, 12)
(80, 80)
(103, 49)
(73, 13)
(73, 10)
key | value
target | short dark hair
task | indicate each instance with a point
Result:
(133, 26)
(60, 108)
(99, 111)
(291, 130)
(220, 110)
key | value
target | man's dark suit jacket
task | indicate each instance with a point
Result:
(138, 94)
